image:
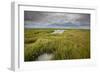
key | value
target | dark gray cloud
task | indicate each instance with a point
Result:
(33, 16)
(39, 19)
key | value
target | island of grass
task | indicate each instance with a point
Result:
(56, 44)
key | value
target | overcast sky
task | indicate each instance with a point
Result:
(36, 19)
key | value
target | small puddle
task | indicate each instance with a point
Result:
(58, 32)
(45, 57)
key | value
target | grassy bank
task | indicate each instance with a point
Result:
(71, 44)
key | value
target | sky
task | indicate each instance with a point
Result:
(39, 19)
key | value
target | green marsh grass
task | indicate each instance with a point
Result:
(71, 44)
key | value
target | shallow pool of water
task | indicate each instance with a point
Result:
(58, 32)
(45, 57)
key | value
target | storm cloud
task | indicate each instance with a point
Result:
(37, 19)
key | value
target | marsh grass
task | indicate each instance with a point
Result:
(71, 44)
